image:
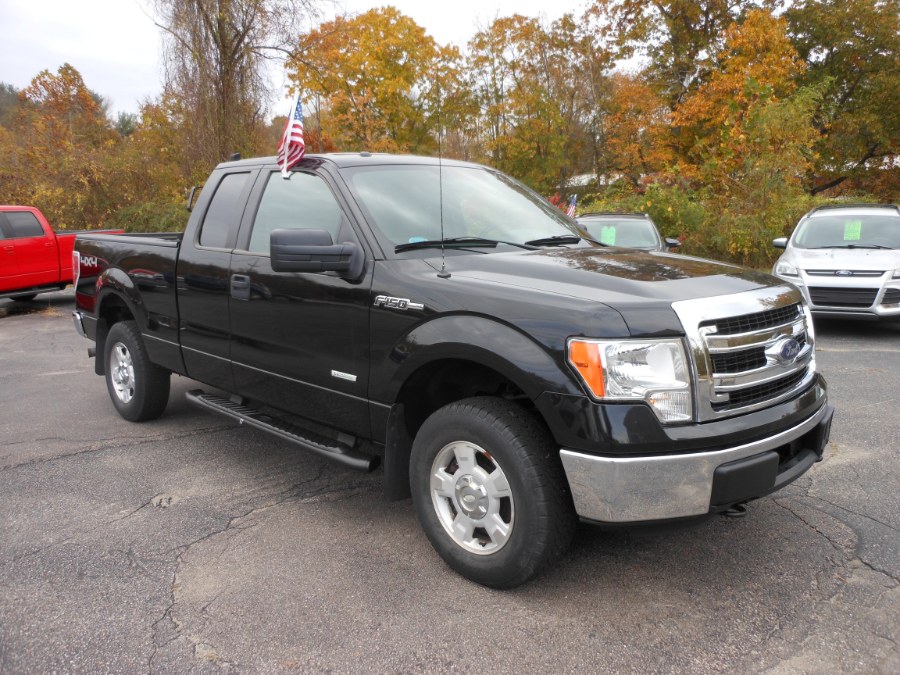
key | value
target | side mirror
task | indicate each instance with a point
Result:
(314, 251)
(672, 243)
(780, 242)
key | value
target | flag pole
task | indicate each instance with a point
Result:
(283, 147)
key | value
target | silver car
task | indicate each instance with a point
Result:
(633, 230)
(846, 260)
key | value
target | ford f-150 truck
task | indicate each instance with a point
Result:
(512, 374)
(33, 258)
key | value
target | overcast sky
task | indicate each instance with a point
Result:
(116, 47)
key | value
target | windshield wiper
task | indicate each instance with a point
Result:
(890, 248)
(458, 242)
(557, 240)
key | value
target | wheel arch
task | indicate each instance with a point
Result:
(117, 300)
(443, 365)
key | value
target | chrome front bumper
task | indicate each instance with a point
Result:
(631, 489)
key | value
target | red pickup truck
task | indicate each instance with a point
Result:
(33, 258)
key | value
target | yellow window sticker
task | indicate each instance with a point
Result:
(853, 230)
(608, 235)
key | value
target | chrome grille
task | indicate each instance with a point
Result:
(749, 350)
(755, 321)
(744, 359)
(761, 392)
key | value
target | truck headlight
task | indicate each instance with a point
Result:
(785, 269)
(654, 371)
(896, 274)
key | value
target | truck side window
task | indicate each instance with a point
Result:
(24, 224)
(220, 225)
(302, 202)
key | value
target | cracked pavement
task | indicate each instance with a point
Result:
(189, 544)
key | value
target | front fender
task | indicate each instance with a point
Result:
(530, 365)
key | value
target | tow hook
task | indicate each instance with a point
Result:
(736, 511)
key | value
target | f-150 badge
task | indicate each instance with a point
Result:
(402, 304)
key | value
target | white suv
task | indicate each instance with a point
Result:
(846, 260)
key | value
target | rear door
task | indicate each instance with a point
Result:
(300, 340)
(203, 263)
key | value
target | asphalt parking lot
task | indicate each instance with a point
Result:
(190, 544)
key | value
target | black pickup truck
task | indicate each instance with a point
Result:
(512, 374)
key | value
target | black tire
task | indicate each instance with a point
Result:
(138, 388)
(454, 481)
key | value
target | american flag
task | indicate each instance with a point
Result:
(571, 210)
(292, 148)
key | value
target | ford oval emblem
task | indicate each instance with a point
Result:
(788, 350)
(843, 273)
(784, 351)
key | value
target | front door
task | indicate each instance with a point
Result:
(9, 266)
(36, 253)
(299, 340)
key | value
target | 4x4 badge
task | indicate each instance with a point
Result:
(402, 304)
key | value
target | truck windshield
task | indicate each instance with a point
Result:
(849, 231)
(405, 204)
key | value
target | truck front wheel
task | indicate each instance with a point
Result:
(489, 491)
(138, 388)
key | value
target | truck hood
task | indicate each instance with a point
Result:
(641, 286)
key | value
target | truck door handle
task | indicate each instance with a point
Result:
(240, 287)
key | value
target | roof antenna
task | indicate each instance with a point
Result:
(443, 274)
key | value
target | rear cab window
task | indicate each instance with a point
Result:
(223, 217)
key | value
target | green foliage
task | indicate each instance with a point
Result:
(9, 101)
(152, 217)
(126, 123)
(850, 47)
(672, 205)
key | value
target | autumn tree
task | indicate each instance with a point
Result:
(61, 153)
(635, 131)
(55, 153)
(537, 87)
(215, 58)
(850, 47)
(746, 136)
(377, 81)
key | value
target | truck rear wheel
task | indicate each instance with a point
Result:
(138, 388)
(490, 492)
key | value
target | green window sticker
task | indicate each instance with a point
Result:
(853, 230)
(608, 235)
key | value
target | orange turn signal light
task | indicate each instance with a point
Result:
(585, 357)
